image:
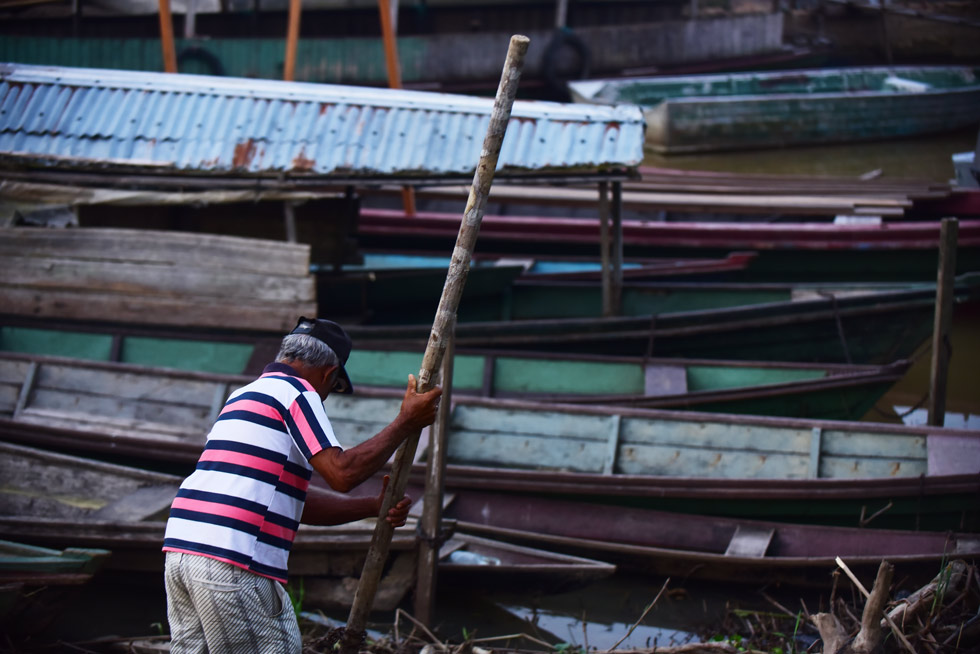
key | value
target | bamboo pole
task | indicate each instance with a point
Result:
(167, 38)
(292, 36)
(435, 349)
(941, 347)
(431, 522)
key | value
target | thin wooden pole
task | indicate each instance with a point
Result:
(605, 251)
(435, 349)
(425, 589)
(394, 79)
(617, 248)
(292, 37)
(167, 38)
(941, 347)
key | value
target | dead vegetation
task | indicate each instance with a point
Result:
(942, 617)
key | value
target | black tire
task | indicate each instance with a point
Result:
(203, 57)
(557, 80)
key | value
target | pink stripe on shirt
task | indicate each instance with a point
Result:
(295, 481)
(217, 508)
(305, 430)
(252, 406)
(245, 460)
(279, 532)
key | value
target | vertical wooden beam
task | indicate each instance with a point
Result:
(605, 250)
(26, 389)
(190, 20)
(612, 449)
(816, 445)
(617, 247)
(561, 13)
(430, 524)
(289, 219)
(389, 40)
(167, 38)
(941, 346)
(292, 37)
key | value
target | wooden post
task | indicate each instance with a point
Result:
(941, 347)
(292, 36)
(617, 248)
(394, 79)
(431, 522)
(605, 251)
(561, 13)
(435, 349)
(167, 38)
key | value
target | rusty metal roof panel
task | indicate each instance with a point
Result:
(74, 117)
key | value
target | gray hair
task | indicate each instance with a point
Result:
(306, 349)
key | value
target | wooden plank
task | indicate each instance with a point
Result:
(855, 468)
(953, 455)
(141, 504)
(125, 385)
(873, 444)
(115, 426)
(660, 379)
(201, 251)
(763, 439)
(750, 541)
(523, 451)
(132, 409)
(70, 273)
(564, 426)
(714, 463)
(212, 312)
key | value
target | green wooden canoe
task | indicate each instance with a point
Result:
(832, 391)
(803, 469)
(735, 111)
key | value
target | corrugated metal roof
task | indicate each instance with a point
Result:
(75, 117)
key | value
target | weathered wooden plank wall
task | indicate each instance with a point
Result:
(155, 277)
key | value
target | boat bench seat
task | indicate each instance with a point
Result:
(112, 426)
(750, 542)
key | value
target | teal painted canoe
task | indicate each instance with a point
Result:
(701, 113)
(804, 469)
(832, 391)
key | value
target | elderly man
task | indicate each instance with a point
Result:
(232, 523)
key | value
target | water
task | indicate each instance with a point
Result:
(925, 157)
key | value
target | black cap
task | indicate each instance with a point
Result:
(333, 335)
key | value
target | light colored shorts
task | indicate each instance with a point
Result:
(219, 608)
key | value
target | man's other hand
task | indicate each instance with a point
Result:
(398, 514)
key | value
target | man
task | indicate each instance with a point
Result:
(232, 523)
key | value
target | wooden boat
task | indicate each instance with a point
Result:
(123, 509)
(830, 471)
(700, 113)
(832, 391)
(787, 251)
(37, 583)
(695, 546)
(867, 328)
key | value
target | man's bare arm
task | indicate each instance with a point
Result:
(345, 469)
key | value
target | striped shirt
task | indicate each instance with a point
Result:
(243, 502)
